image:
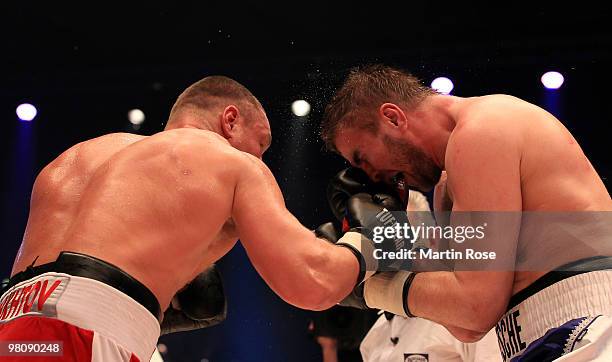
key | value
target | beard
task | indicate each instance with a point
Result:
(405, 155)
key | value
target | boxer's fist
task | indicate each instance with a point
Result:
(352, 181)
(345, 184)
(370, 216)
(369, 211)
(203, 297)
(355, 299)
(200, 304)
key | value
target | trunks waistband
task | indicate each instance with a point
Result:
(563, 272)
(86, 266)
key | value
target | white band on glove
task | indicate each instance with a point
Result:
(386, 291)
(364, 247)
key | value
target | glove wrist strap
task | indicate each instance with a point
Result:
(389, 291)
(363, 248)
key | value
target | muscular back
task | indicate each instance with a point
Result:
(140, 203)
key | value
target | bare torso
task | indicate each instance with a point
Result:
(555, 175)
(136, 202)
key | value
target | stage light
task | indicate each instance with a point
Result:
(136, 116)
(552, 80)
(442, 85)
(300, 108)
(26, 112)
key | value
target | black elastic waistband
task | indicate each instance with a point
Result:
(563, 272)
(86, 266)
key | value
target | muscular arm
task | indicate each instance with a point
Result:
(303, 270)
(483, 168)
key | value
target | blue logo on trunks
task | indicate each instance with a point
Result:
(556, 342)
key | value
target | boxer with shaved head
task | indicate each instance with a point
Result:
(124, 229)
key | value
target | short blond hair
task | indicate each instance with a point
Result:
(214, 91)
(364, 90)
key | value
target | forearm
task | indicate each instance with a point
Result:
(465, 335)
(456, 299)
(305, 271)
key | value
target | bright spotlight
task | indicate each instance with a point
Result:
(300, 108)
(136, 116)
(442, 85)
(552, 80)
(26, 112)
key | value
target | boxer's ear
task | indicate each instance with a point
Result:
(392, 115)
(393, 119)
(229, 120)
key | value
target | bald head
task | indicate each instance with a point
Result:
(209, 96)
(224, 106)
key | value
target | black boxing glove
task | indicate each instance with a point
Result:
(364, 212)
(352, 181)
(345, 184)
(372, 217)
(340, 190)
(355, 299)
(200, 304)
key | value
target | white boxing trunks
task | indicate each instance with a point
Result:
(403, 339)
(570, 320)
(91, 320)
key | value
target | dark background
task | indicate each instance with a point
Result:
(85, 66)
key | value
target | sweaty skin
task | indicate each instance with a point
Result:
(164, 207)
(491, 148)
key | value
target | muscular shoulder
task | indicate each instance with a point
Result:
(490, 120)
(88, 155)
(498, 110)
(73, 168)
(495, 104)
(97, 148)
(485, 144)
(197, 147)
